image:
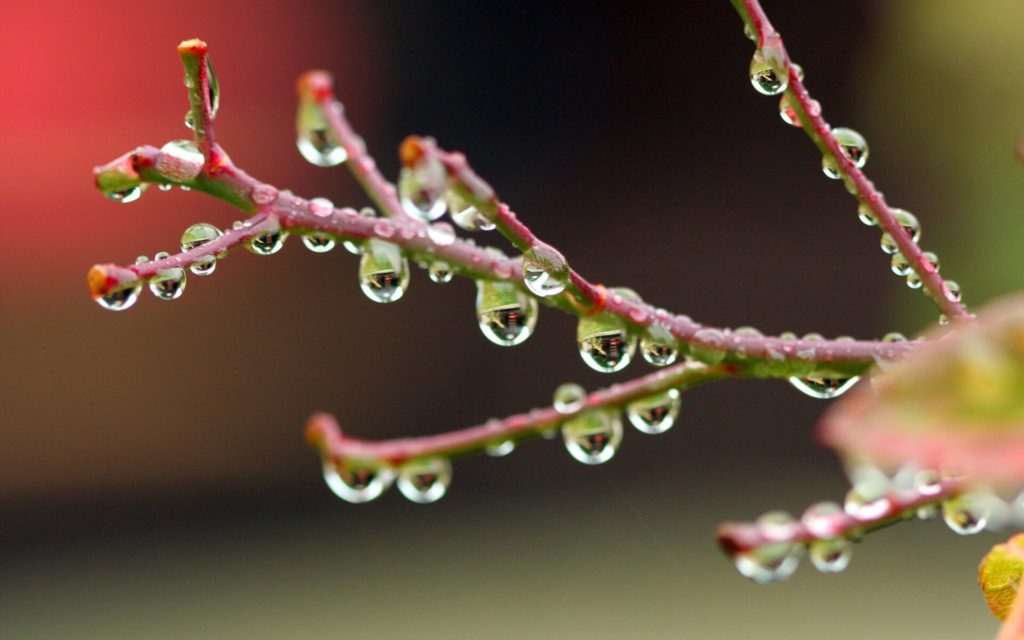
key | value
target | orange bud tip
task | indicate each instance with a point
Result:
(194, 46)
(316, 85)
(98, 280)
(411, 151)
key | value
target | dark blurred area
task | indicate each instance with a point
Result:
(154, 480)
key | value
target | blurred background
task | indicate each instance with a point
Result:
(153, 478)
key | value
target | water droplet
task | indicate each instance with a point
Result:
(569, 398)
(131, 194)
(823, 388)
(214, 88)
(441, 233)
(196, 236)
(866, 215)
(900, 265)
(267, 243)
(383, 271)
(321, 207)
(853, 145)
(545, 270)
(788, 112)
(894, 336)
(357, 482)
(440, 272)
(184, 187)
(866, 502)
(823, 519)
(425, 480)
(953, 290)
(318, 147)
(655, 414)
(708, 346)
(766, 76)
(384, 228)
(166, 187)
(421, 189)
(170, 283)
(928, 482)
(188, 120)
(122, 298)
(913, 279)
(500, 448)
(506, 315)
(593, 437)
(263, 194)
(748, 31)
(318, 242)
(604, 343)
(771, 562)
(966, 514)
(465, 215)
(659, 347)
(909, 223)
(777, 526)
(831, 556)
(180, 160)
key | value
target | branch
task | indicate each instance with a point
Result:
(808, 113)
(203, 94)
(323, 432)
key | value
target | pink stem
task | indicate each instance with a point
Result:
(821, 134)
(323, 432)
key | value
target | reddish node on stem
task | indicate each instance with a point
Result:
(321, 428)
(194, 46)
(316, 85)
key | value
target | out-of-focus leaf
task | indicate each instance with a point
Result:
(1000, 573)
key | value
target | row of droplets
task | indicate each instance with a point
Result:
(769, 77)
(873, 497)
(591, 437)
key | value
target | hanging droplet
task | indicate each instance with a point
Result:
(120, 299)
(659, 347)
(853, 145)
(188, 120)
(909, 223)
(131, 194)
(953, 290)
(214, 88)
(465, 215)
(655, 414)
(569, 398)
(357, 482)
(196, 236)
(421, 189)
(866, 215)
(440, 272)
(441, 233)
(788, 113)
(928, 482)
(267, 243)
(170, 283)
(823, 388)
(867, 502)
(505, 314)
(894, 336)
(767, 77)
(748, 31)
(383, 271)
(770, 562)
(593, 437)
(708, 346)
(319, 147)
(318, 242)
(500, 448)
(603, 341)
(900, 265)
(321, 207)
(966, 514)
(180, 160)
(545, 271)
(352, 246)
(166, 187)
(425, 480)
(831, 556)
(913, 279)
(823, 519)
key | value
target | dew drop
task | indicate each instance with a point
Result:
(788, 113)
(213, 88)
(263, 194)
(900, 265)
(966, 514)
(180, 160)
(866, 502)
(318, 242)
(506, 316)
(441, 233)
(321, 207)
(500, 448)
(593, 437)
(953, 291)
(357, 482)
(658, 352)
(569, 398)
(170, 283)
(823, 388)
(425, 480)
(421, 189)
(130, 194)
(853, 145)
(120, 299)
(604, 343)
(709, 346)
(655, 414)
(166, 187)
(545, 270)
(196, 236)
(823, 519)
(267, 243)
(319, 147)
(352, 246)
(771, 562)
(913, 279)
(866, 215)
(831, 556)
(383, 271)
(909, 223)
(767, 77)
(440, 272)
